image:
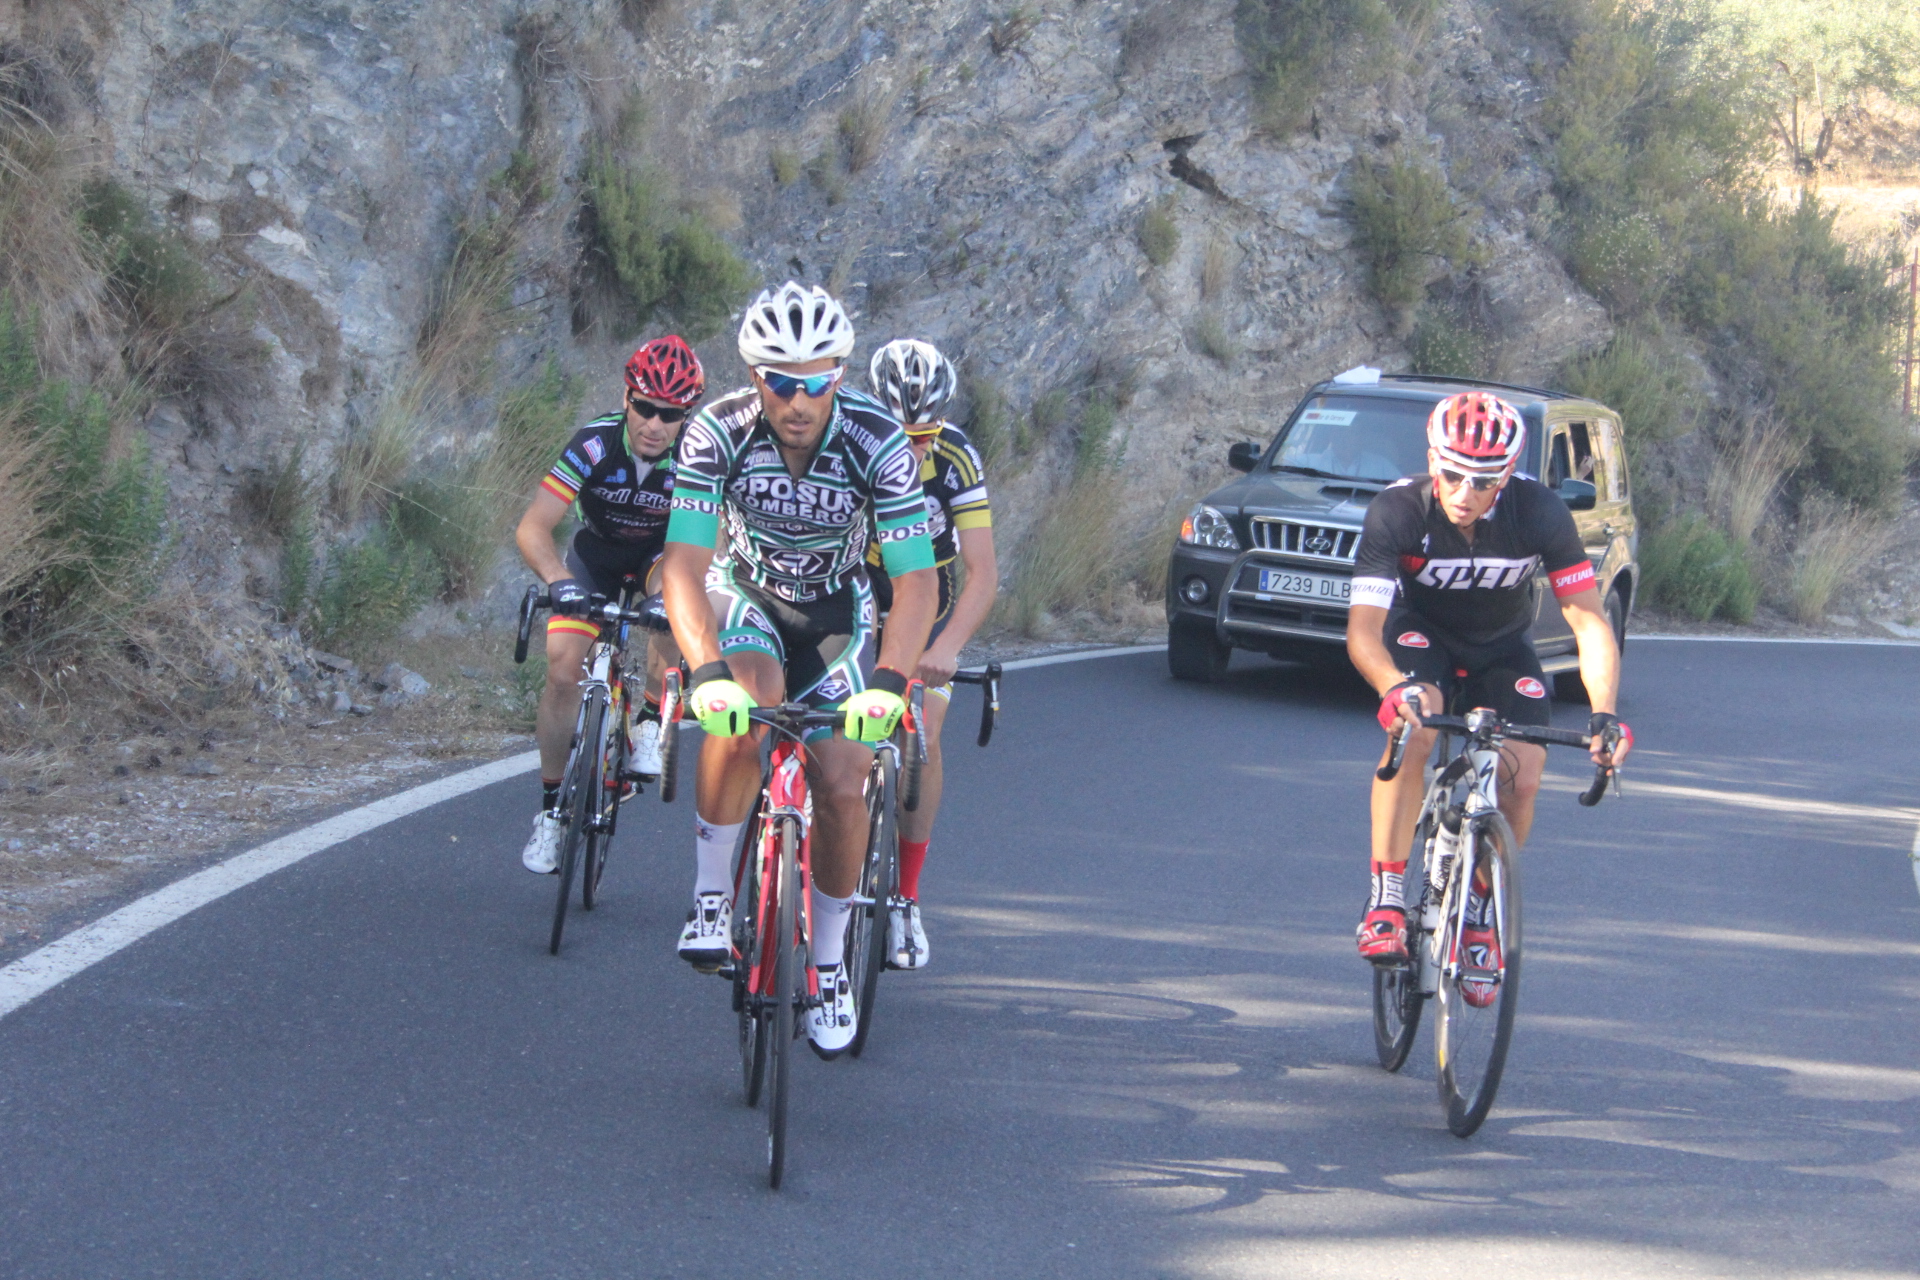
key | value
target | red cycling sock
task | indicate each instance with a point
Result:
(913, 856)
(1388, 884)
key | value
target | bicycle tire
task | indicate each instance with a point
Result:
(1471, 1042)
(868, 930)
(606, 805)
(1396, 988)
(577, 805)
(787, 983)
(747, 1003)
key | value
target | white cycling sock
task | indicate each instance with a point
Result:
(1389, 885)
(713, 852)
(829, 928)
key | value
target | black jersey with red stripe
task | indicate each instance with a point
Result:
(624, 501)
(1479, 591)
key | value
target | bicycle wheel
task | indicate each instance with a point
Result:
(606, 802)
(752, 1010)
(577, 805)
(788, 983)
(1396, 988)
(1473, 1038)
(867, 935)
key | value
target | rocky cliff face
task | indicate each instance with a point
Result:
(959, 172)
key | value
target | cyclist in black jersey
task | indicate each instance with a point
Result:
(914, 380)
(1442, 598)
(618, 471)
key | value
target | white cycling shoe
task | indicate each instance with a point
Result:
(707, 939)
(542, 854)
(643, 752)
(831, 1024)
(906, 940)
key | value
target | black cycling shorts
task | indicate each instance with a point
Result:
(826, 646)
(604, 572)
(1504, 675)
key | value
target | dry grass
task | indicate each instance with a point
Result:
(863, 125)
(1213, 339)
(1074, 557)
(368, 467)
(1216, 267)
(45, 265)
(786, 166)
(1748, 473)
(1835, 543)
(1012, 29)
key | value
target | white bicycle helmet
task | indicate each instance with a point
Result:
(794, 324)
(912, 378)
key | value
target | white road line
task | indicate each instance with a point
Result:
(33, 974)
(40, 971)
(1634, 637)
(1916, 858)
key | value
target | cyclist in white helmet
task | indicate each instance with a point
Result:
(779, 487)
(914, 380)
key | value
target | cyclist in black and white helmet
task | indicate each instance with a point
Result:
(916, 381)
(780, 487)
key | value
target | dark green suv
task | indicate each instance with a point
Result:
(1266, 561)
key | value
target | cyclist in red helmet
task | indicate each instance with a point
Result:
(619, 471)
(1442, 600)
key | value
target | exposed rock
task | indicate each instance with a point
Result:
(333, 662)
(401, 686)
(201, 767)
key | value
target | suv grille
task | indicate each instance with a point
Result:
(1327, 542)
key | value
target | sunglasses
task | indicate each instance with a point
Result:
(783, 385)
(646, 410)
(1481, 484)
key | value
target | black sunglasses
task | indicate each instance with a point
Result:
(647, 410)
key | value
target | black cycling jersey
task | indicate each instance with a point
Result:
(624, 501)
(1481, 591)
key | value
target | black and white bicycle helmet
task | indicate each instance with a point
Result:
(912, 378)
(794, 324)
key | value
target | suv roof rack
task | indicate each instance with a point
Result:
(1474, 382)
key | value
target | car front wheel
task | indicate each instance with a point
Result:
(1194, 652)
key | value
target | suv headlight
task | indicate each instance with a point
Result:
(1206, 527)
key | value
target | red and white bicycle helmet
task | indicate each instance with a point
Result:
(666, 369)
(1477, 433)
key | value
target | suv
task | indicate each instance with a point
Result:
(1266, 562)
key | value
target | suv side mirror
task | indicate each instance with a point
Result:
(1245, 456)
(1579, 495)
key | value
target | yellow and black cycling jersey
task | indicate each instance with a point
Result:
(954, 481)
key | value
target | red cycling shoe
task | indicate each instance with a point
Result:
(1383, 935)
(1482, 947)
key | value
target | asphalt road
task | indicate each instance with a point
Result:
(1143, 1049)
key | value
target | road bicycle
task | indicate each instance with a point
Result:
(771, 966)
(1464, 851)
(597, 778)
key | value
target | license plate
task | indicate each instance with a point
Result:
(1308, 586)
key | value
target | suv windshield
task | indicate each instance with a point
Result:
(1347, 437)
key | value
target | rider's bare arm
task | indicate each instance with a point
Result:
(1599, 658)
(534, 536)
(942, 657)
(916, 598)
(683, 587)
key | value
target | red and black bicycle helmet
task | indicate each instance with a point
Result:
(666, 369)
(1477, 433)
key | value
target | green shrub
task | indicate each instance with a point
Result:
(1447, 341)
(785, 163)
(1405, 219)
(1693, 568)
(1290, 44)
(1625, 262)
(1094, 448)
(151, 269)
(369, 590)
(1159, 234)
(297, 560)
(1642, 378)
(661, 256)
(989, 423)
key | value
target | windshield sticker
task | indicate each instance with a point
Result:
(1332, 417)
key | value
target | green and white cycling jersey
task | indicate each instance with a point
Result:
(804, 539)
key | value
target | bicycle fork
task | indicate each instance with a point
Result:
(1449, 894)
